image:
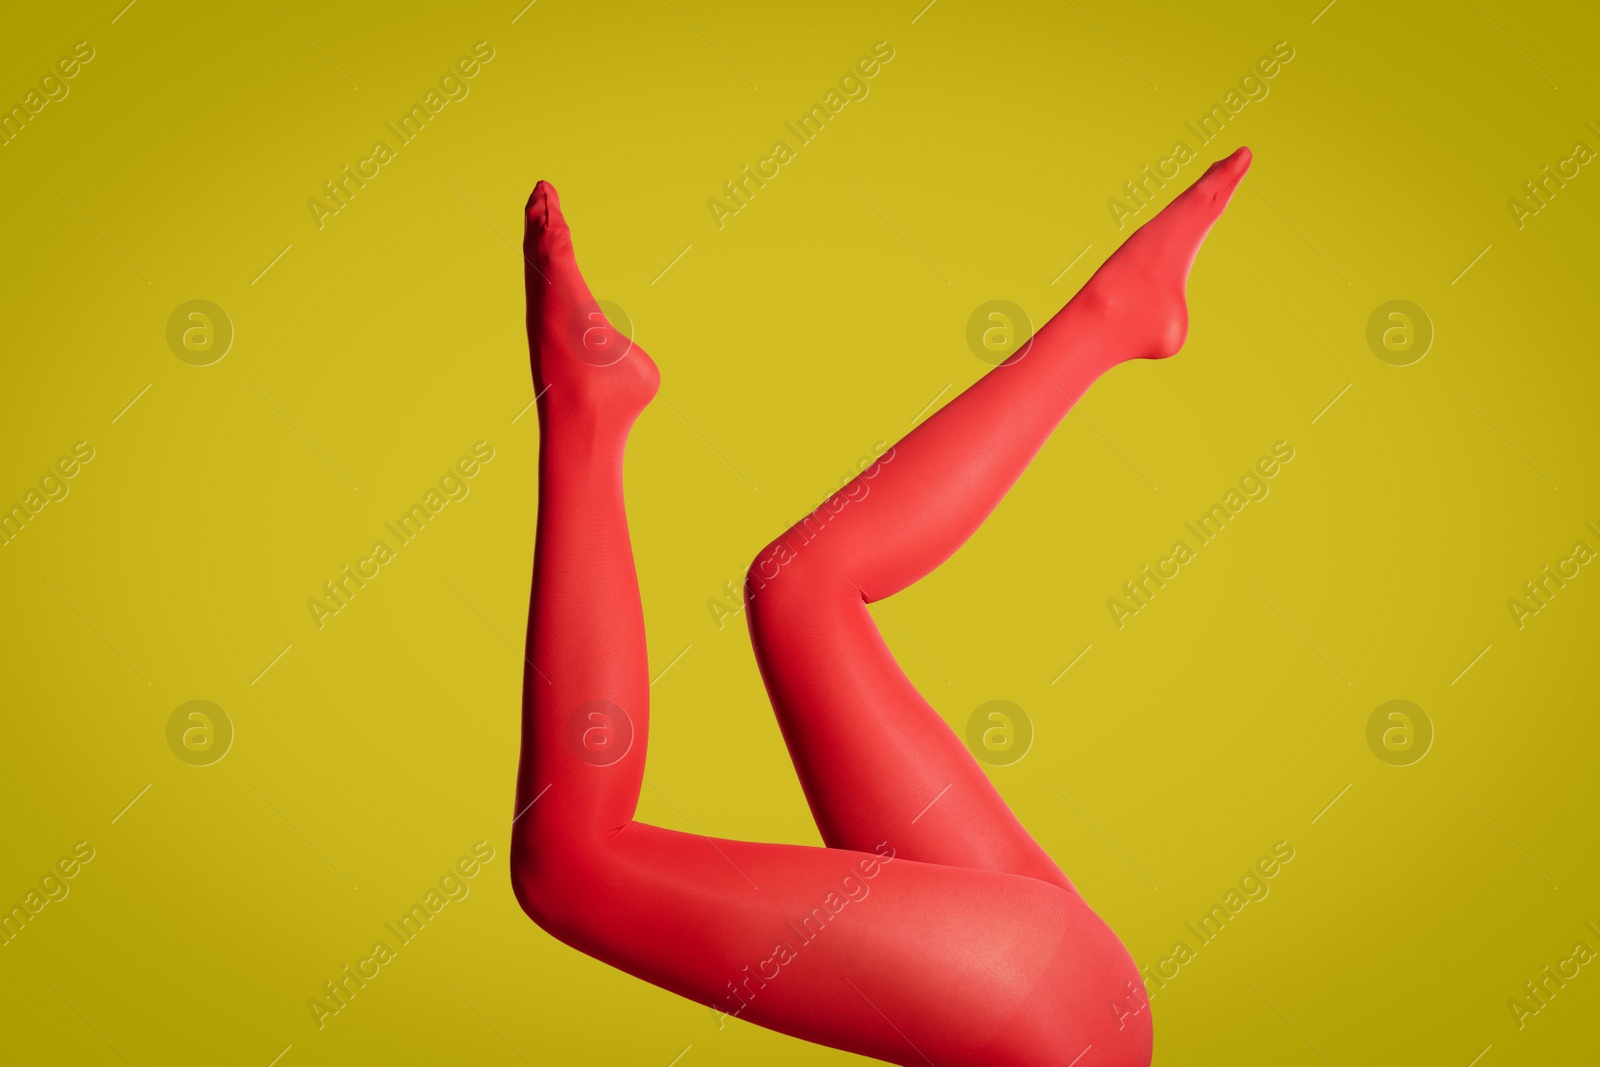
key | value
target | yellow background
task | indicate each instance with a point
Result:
(821, 319)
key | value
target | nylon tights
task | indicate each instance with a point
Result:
(920, 934)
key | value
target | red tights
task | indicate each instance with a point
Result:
(939, 935)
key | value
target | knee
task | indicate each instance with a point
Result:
(761, 578)
(790, 574)
(1061, 1024)
(1088, 993)
(548, 887)
(530, 884)
(1100, 998)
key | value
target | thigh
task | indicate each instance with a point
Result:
(875, 759)
(870, 952)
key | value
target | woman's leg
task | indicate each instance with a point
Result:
(585, 685)
(866, 950)
(871, 753)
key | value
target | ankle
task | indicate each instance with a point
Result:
(578, 425)
(1086, 329)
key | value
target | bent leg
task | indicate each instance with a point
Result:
(907, 962)
(585, 719)
(871, 753)
(866, 951)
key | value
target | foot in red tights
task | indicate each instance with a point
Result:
(584, 362)
(1138, 294)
